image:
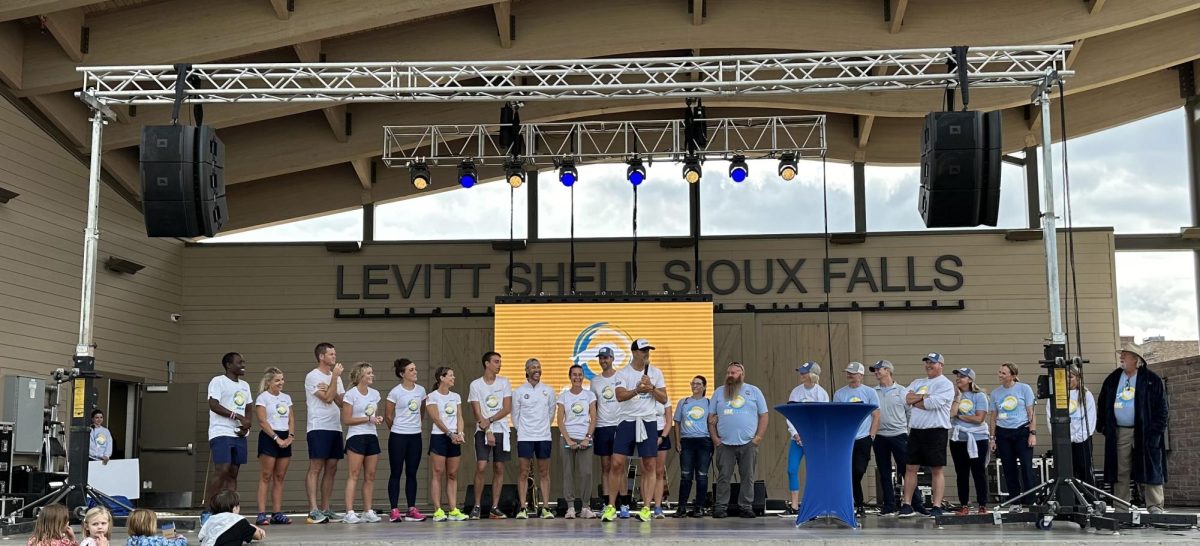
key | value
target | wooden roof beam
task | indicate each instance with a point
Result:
(67, 29)
(11, 10)
(1077, 45)
(1094, 6)
(697, 8)
(865, 123)
(337, 116)
(12, 46)
(899, 8)
(282, 9)
(364, 167)
(504, 22)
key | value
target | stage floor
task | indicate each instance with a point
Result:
(770, 529)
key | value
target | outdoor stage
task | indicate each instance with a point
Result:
(764, 530)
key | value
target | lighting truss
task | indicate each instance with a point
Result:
(769, 74)
(596, 141)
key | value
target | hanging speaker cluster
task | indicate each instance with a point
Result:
(960, 169)
(183, 181)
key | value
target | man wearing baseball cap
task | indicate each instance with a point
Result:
(929, 429)
(891, 441)
(856, 393)
(638, 387)
(1133, 418)
(809, 390)
(604, 386)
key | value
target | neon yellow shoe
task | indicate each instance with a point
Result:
(609, 513)
(523, 514)
(439, 515)
(456, 515)
(645, 514)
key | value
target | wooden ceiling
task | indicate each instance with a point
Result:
(289, 161)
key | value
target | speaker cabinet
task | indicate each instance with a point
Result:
(183, 181)
(960, 169)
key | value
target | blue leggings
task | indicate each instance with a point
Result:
(404, 450)
(795, 455)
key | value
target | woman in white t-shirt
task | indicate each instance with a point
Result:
(273, 408)
(576, 425)
(402, 415)
(360, 414)
(445, 442)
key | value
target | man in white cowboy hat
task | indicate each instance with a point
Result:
(1133, 418)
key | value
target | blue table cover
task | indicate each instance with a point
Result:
(828, 430)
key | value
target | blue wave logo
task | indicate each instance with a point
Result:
(591, 339)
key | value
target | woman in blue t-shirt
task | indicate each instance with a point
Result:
(969, 440)
(1014, 430)
(695, 447)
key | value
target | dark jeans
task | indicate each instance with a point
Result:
(404, 453)
(695, 457)
(1081, 462)
(965, 467)
(1012, 445)
(887, 449)
(860, 460)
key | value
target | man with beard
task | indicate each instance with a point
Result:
(533, 411)
(228, 396)
(737, 420)
(638, 387)
(1133, 417)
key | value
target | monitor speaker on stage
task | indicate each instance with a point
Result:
(960, 169)
(183, 181)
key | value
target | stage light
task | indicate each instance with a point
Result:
(418, 174)
(467, 174)
(787, 167)
(691, 169)
(514, 173)
(738, 170)
(567, 173)
(636, 173)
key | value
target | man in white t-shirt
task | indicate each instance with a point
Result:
(491, 402)
(228, 423)
(323, 391)
(533, 412)
(638, 387)
(608, 416)
(928, 430)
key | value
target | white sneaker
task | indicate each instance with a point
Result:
(570, 513)
(587, 513)
(371, 517)
(351, 517)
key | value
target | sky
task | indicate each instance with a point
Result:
(1132, 177)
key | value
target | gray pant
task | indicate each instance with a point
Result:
(577, 464)
(1152, 493)
(744, 456)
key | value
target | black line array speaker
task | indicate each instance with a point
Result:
(960, 169)
(183, 181)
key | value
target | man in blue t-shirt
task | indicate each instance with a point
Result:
(856, 393)
(737, 420)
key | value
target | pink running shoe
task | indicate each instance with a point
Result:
(396, 517)
(414, 515)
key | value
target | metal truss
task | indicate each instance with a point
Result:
(595, 141)
(1008, 66)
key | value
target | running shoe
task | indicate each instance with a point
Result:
(907, 511)
(570, 513)
(624, 512)
(680, 512)
(609, 513)
(413, 514)
(456, 515)
(474, 513)
(546, 514)
(395, 517)
(935, 511)
(522, 514)
(262, 519)
(658, 513)
(351, 517)
(495, 513)
(645, 514)
(334, 517)
(439, 515)
(983, 510)
(371, 517)
(279, 518)
(587, 513)
(964, 510)
(317, 516)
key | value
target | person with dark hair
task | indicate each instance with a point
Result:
(969, 440)
(1014, 431)
(228, 424)
(663, 414)
(491, 402)
(99, 439)
(576, 424)
(533, 413)
(694, 446)
(445, 442)
(639, 385)
(323, 392)
(360, 414)
(402, 415)
(1133, 417)
(737, 420)
(608, 411)
(1081, 407)
(53, 527)
(227, 527)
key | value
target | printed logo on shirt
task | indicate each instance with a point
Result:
(577, 408)
(923, 389)
(370, 409)
(101, 439)
(527, 396)
(1073, 407)
(696, 413)
(966, 407)
(449, 409)
(281, 409)
(492, 401)
(608, 393)
(413, 405)
(1010, 403)
(737, 402)
(1127, 394)
(855, 400)
(239, 399)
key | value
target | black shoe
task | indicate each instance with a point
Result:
(680, 512)
(748, 513)
(696, 513)
(920, 509)
(860, 512)
(719, 514)
(789, 511)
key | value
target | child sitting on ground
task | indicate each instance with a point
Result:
(97, 527)
(143, 531)
(226, 526)
(53, 528)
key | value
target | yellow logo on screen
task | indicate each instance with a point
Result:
(492, 401)
(696, 413)
(1009, 403)
(577, 408)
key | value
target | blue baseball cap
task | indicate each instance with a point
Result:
(934, 357)
(967, 372)
(810, 367)
(604, 351)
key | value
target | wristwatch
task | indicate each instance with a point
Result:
(1033, 433)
